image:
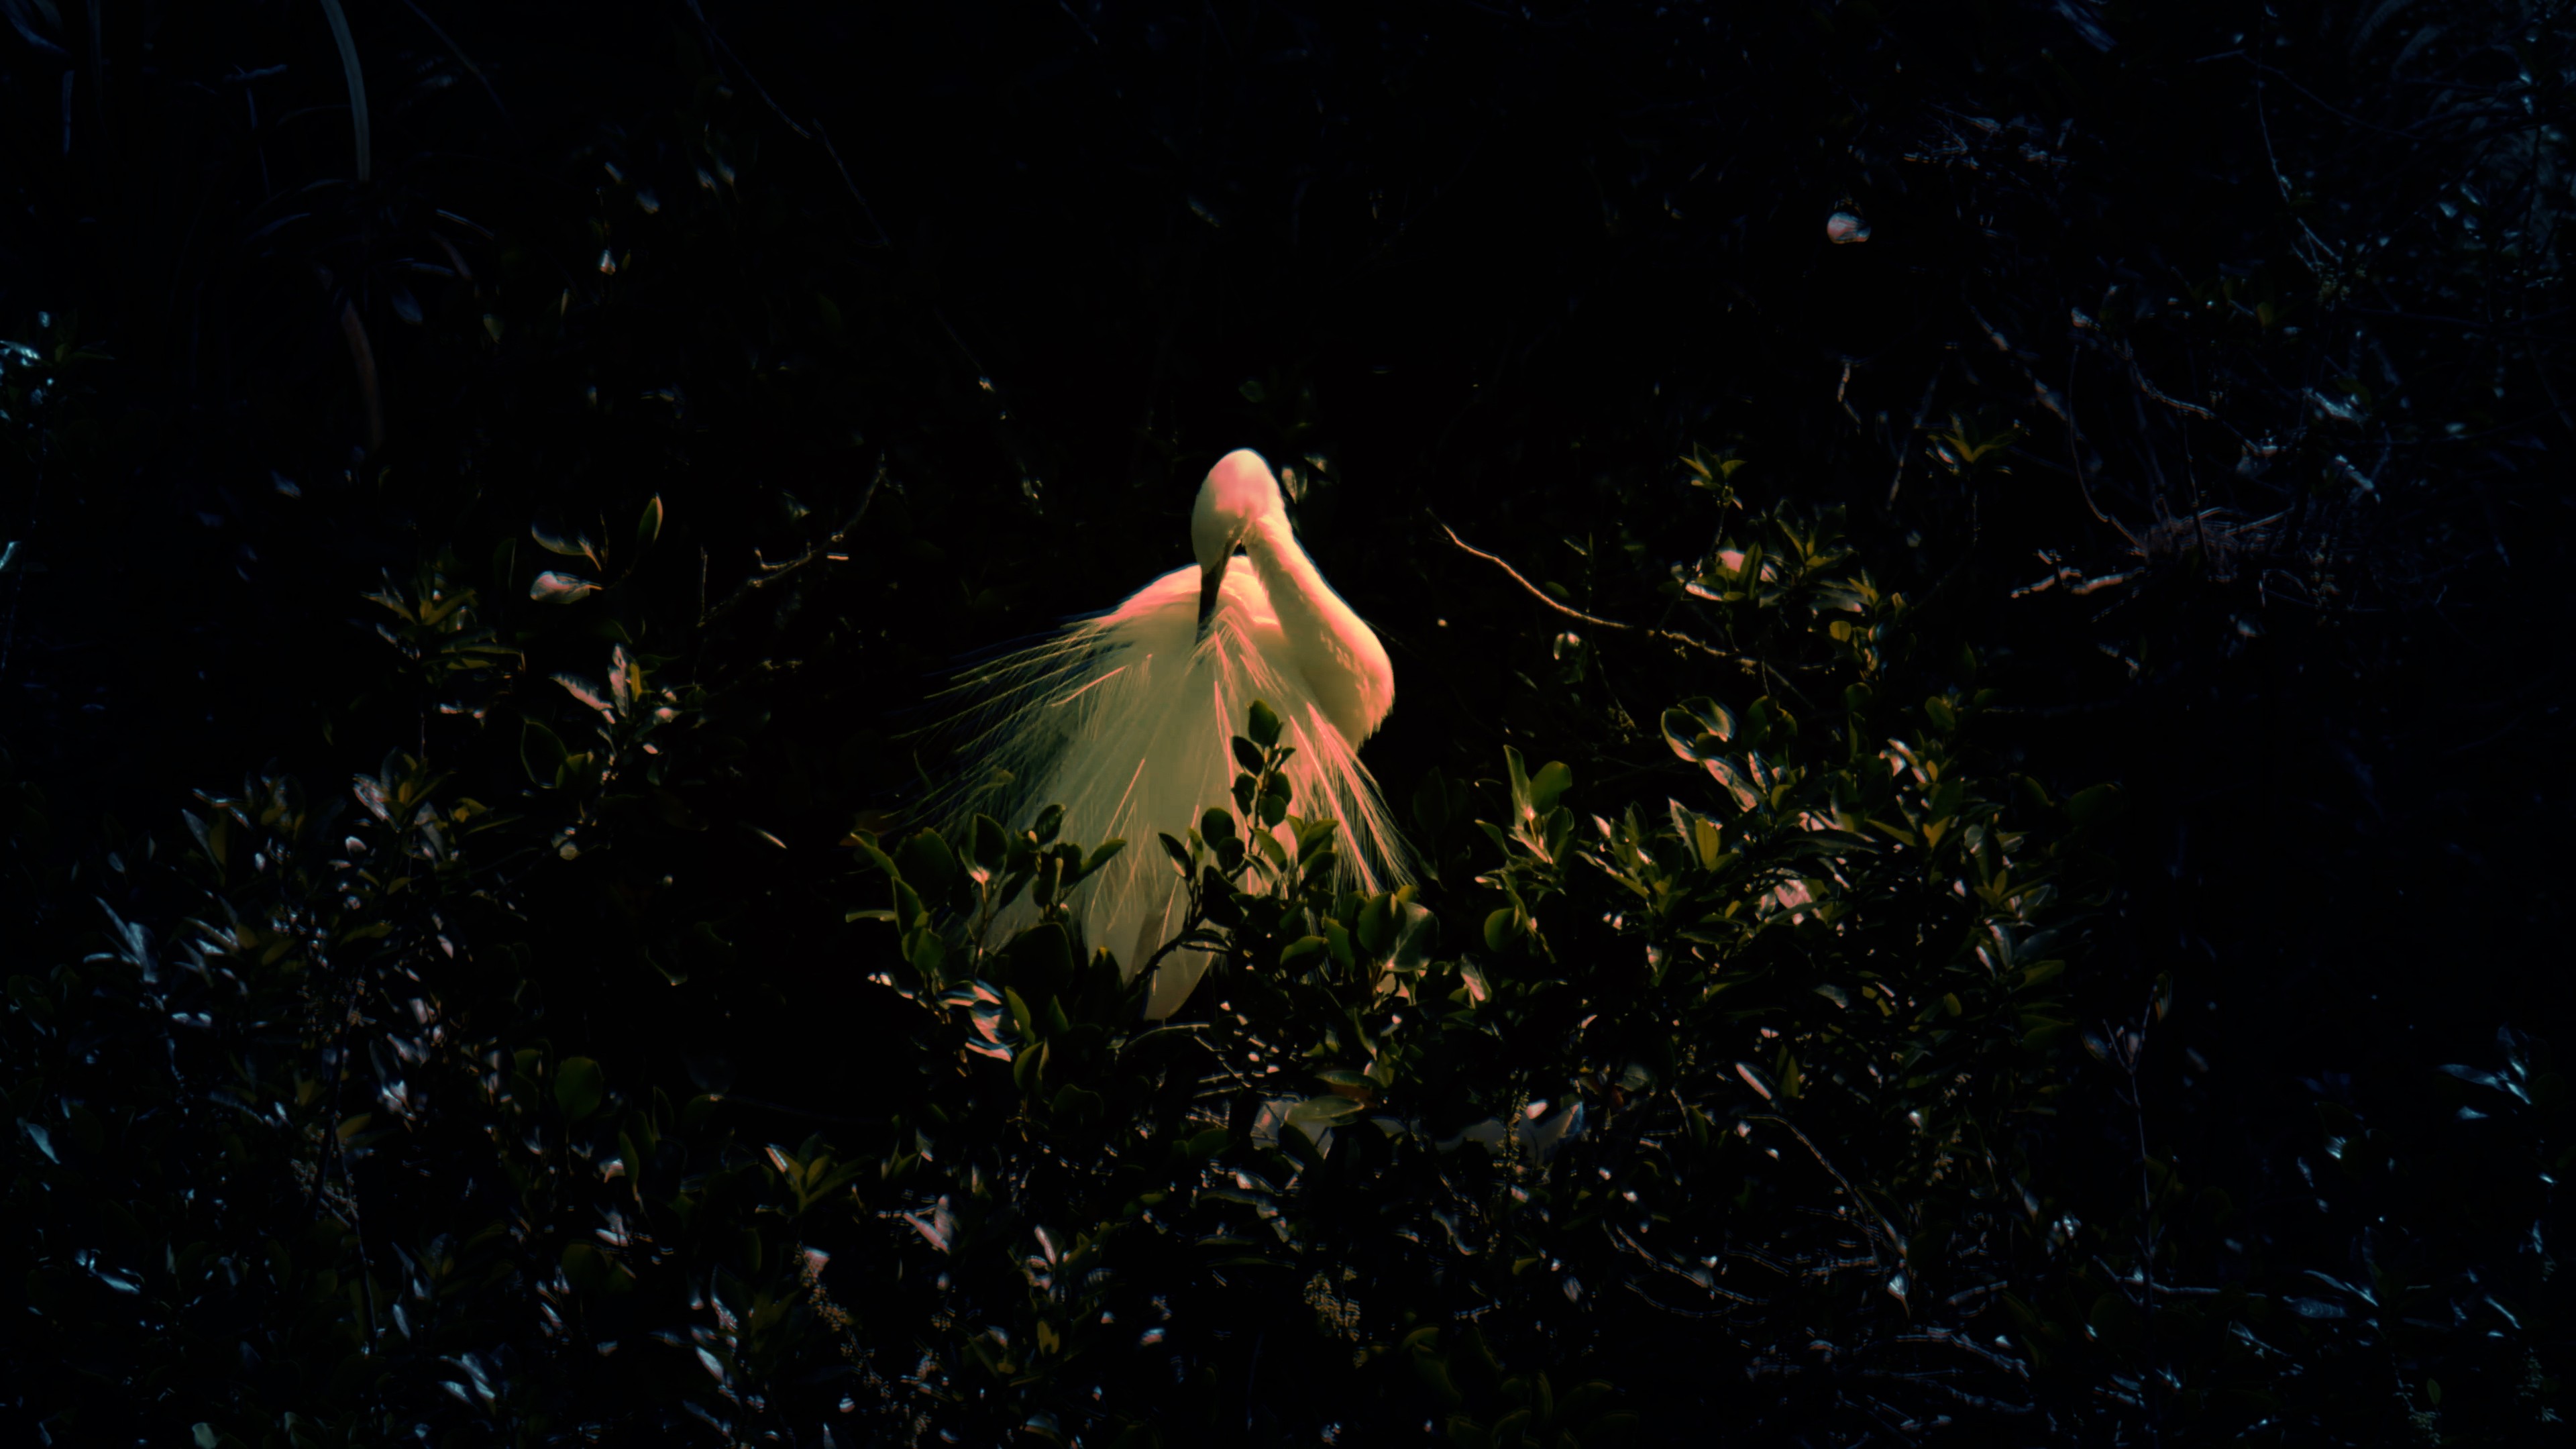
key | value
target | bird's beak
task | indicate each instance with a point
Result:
(1211, 584)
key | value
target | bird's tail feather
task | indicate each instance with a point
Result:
(1127, 722)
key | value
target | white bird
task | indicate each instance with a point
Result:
(1127, 719)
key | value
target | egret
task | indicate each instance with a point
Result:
(1127, 719)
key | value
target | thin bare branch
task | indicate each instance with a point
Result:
(1749, 666)
(811, 130)
(771, 573)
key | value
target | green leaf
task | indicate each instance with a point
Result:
(1552, 780)
(988, 849)
(1416, 931)
(1218, 898)
(1707, 842)
(908, 908)
(1039, 961)
(1338, 937)
(927, 864)
(1076, 1103)
(1216, 826)
(541, 753)
(1897, 833)
(2094, 803)
(648, 525)
(1727, 773)
(1437, 802)
(926, 953)
(1377, 925)
(1323, 1111)
(1264, 725)
(1303, 947)
(2038, 1031)
(868, 854)
(592, 1271)
(2114, 1319)
(1434, 1372)
(1765, 718)
(554, 587)
(579, 1087)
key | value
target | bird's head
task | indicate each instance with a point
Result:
(1238, 494)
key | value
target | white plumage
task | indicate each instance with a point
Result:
(1127, 719)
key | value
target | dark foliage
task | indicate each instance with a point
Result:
(1974, 587)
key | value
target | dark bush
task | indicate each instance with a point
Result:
(1973, 588)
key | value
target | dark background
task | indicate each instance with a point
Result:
(973, 295)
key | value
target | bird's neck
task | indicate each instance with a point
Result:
(1339, 654)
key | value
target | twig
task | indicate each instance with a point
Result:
(1860, 1203)
(462, 58)
(1241, 1082)
(817, 135)
(2075, 435)
(1191, 938)
(2348, 119)
(2177, 404)
(1922, 410)
(1749, 666)
(2540, 370)
(772, 573)
(9, 553)
(2470, 324)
